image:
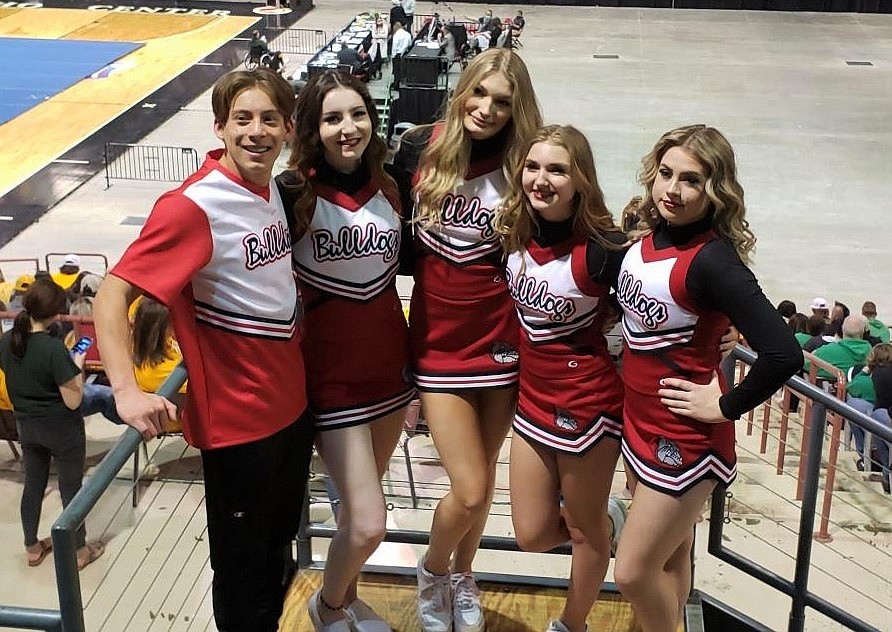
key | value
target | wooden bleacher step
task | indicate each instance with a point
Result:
(509, 608)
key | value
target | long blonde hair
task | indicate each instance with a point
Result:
(446, 159)
(713, 151)
(516, 221)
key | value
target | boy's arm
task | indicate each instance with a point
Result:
(146, 412)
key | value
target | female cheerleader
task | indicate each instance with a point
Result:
(462, 322)
(564, 255)
(346, 236)
(679, 286)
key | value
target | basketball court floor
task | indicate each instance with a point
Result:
(811, 131)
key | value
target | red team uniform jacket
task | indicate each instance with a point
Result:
(216, 251)
(356, 342)
(570, 392)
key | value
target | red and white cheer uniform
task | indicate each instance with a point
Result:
(570, 392)
(356, 343)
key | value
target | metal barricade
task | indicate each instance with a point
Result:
(300, 41)
(148, 162)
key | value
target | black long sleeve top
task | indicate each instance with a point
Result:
(718, 279)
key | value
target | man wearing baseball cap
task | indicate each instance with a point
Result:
(68, 271)
(820, 306)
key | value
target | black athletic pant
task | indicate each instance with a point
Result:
(253, 497)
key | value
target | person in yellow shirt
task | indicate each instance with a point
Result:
(6, 288)
(155, 351)
(67, 274)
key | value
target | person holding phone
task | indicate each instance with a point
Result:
(80, 347)
(45, 384)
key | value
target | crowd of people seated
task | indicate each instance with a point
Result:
(858, 345)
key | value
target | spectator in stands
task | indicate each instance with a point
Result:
(6, 288)
(484, 20)
(155, 351)
(861, 395)
(45, 385)
(876, 327)
(22, 283)
(815, 330)
(786, 309)
(258, 46)
(82, 292)
(357, 341)
(377, 52)
(798, 324)
(399, 46)
(870, 392)
(881, 375)
(678, 433)
(68, 271)
(409, 10)
(852, 349)
(216, 252)
(833, 329)
(820, 307)
(397, 14)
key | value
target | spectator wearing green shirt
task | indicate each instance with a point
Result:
(870, 392)
(798, 324)
(876, 328)
(852, 349)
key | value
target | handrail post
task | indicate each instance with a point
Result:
(782, 438)
(105, 156)
(766, 422)
(68, 580)
(807, 518)
(64, 530)
(807, 418)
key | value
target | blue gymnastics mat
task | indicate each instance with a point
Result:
(33, 70)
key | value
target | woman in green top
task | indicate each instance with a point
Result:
(45, 386)
(798, 324)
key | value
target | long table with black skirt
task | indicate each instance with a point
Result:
(357, 35)
(419, 105)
